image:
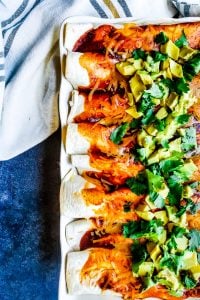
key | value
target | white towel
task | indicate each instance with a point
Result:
(29, 61)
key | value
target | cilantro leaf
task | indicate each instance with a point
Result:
(194, 207)
(117, 135)
(169, 165)
(138, 185)
(139, 53)
(145, 103)
(183, 119)
(192, 66)
(189, 140)
(135, 123)
(158, 56)
(149, 117)
(171, 261)
(182, 41)
(175, 190)
(181, 86)
(139, 255)
(194, 242)
(160, 124)
(161, 38)
(165, 144)
(156, 91)
(187, 280)
(147, 229)
(157, 199)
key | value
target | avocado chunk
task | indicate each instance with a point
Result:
(187, 52)
(146, 268)
(161, 113)
(151, 66)
(155, 252)
(132, 111)
(143, 207)
(145, 77)
(163, 237)
(137, 87)
(159, 155)
(169, 131)
(151, 130)
(189, 260)
(182, 243)
(175, 145)
(171, 211)
(162, 215)
(137, 63)
(176, 69)
(196, 272)
(130, 99)
(165, 64)
(187, 192)
(170, 49)
(145, 215)
(150, 203)
(172, 100)
(125, 68)
(169, 279)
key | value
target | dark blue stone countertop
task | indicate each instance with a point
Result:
(29, 223)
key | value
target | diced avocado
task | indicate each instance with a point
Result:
(155, 252)
(167, 73)
(145, 215)
(162, 215)
(143, 207)
(145, 77)
(151, 66)
(163, 237)
(145, 268)
(196, 272)
(169, 279)
(125, 68)
(154, 158)
(150, 246)
(133, 112)
(165, 64)
(137, 87)
(169, 131)
(188, 169)
(150, 203)
(189, 260)
(187, 191)
(183, 220)
(175, 145)
(187, 52)
(171, 211)
(185, 101)
(141, 137)
(159, 155)
(163, 192)
(156, 101)
(137, 63)
(155, 75)
(172, 100)
(176, 69)
(170, 49)
(151, 130)
(182, 243)
(130, 99)
(162, 113)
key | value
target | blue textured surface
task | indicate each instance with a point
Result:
(29, 223)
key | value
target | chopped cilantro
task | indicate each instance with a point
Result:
(156, 91)
(135, 123)
(149, 117)
(183, 119)
(192, 66)
(161, 38)
(190, 206)
(158, 56)
(143, 229)
(194, 207)
(169, 165)
(139, 254)
(139, 53)
(189, 139)
(157, 199)
(145, 103)
(138, 185)
(165, 144)
(187, 280)
(181, 86)
(171, 261)
(175, 190)
(117, 135)
(194, 242)
(160, 124)
(182, 41)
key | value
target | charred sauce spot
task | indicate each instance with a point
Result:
(90, 239)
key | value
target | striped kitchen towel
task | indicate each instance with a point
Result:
(29, 61)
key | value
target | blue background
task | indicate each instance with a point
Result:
(29, 223)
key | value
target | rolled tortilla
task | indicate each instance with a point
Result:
(92, 107)
(72, 32)
(80, 199)
(80, 137)
(74, 72)
(91, 70)
(75, 286)
(75, 231)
